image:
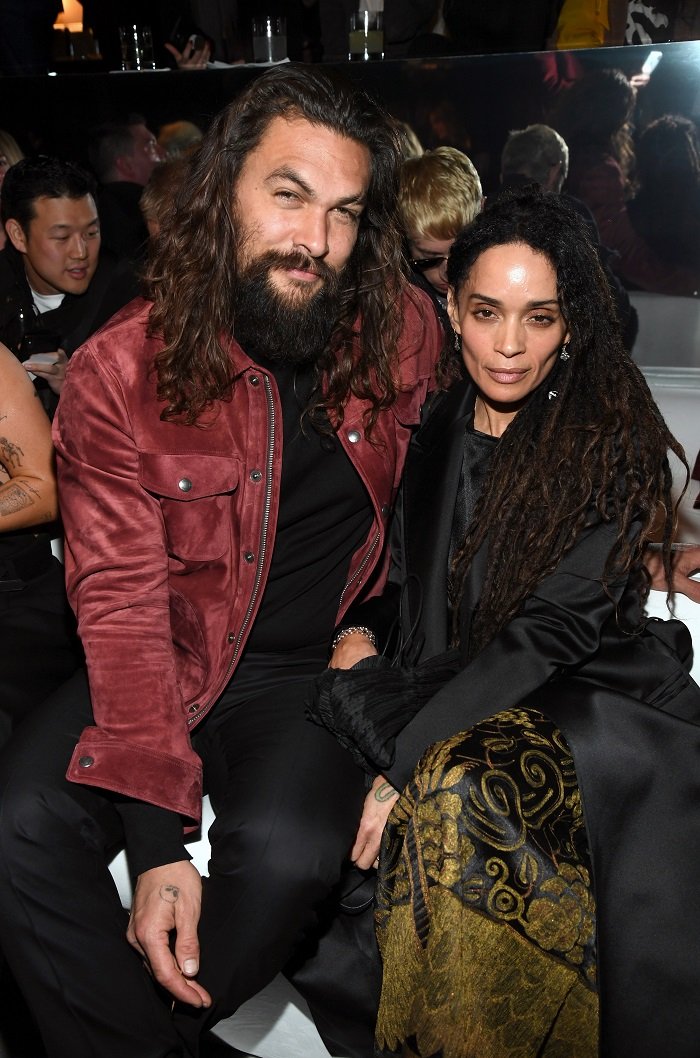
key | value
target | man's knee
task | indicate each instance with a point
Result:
(284, 853)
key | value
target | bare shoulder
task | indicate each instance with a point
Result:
(15, 380)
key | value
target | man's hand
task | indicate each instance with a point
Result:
(350, 650)
(684, 562)
(169, 899)
(378, 804)
(50, 366)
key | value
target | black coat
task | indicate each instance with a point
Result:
(628, 709)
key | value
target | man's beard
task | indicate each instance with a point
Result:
(291, 327)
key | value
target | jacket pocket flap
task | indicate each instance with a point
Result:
(189, 475)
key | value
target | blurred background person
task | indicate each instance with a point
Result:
(665, 210)
(10, 152)
(536, 154)
(539, 155)
(595, 116)
(123, 156)
(178, 137)
(158, 196)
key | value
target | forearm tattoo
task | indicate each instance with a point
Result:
(10, 454)
(385, 792)
(169, 893)
(14, 498)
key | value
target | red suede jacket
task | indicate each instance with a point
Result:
(169, 532)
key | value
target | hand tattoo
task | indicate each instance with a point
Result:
(169, 893)
(385, 792)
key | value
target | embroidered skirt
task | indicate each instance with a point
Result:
(486, 914)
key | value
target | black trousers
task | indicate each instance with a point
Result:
(287, 800)
(40, 649)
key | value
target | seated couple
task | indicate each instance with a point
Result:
(226, 502)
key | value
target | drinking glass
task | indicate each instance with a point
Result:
(137, 47)
(366, 37)
(269, 38)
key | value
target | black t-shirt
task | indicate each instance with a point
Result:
(324, 516)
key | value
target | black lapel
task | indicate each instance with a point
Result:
(430, 486)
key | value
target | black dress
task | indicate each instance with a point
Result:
(538, 887)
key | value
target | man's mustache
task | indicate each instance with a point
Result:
(296, 259)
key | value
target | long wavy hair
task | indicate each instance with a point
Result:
(597, 450)
(192, 273)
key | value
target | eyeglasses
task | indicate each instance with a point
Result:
(424, 264)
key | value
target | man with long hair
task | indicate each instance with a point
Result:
(228, 454)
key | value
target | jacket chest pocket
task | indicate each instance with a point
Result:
(194, 491)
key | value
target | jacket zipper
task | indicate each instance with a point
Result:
(263, 539)
(362, 566)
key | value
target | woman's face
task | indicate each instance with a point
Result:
(509, 318)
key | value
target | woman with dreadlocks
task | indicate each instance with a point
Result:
(537, 873)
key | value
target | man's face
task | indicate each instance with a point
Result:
(60, 246)
(301, 193)
(297, 204)
(145, 156)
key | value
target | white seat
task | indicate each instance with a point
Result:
(669, 330)
(677, 393)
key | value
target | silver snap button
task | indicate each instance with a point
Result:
(354, 436)
(256, 475)
(249, 556)
(230, 637)
(184, 484)
(254, 380)
(192, 708)
(384, 509)
(86, 762)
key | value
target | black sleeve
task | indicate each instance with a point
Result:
(153, 836)
(557, 629)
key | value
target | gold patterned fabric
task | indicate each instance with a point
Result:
(486, 913)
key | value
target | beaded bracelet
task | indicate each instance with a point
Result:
(359, 629)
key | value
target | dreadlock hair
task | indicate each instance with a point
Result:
(596, 449)
(198, 251)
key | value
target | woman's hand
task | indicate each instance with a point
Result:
(378, 804)
(350, 650)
